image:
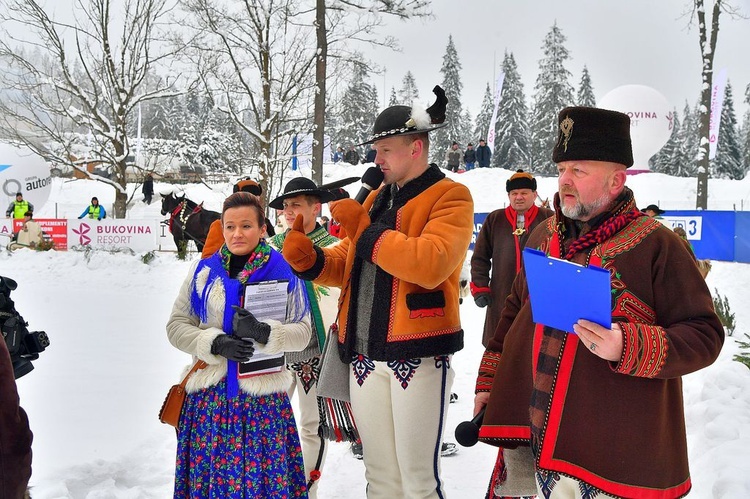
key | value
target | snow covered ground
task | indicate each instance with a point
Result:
(94, 396)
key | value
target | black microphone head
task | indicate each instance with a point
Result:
(373, 177)
(467, 433)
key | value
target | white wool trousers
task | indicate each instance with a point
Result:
(314, 448)
(556, 486)
(400, 408)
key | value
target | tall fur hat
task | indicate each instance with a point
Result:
(520, 180)
(589, 133)
(405, 120)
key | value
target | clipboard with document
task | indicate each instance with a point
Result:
(266, 300)
(562, 292)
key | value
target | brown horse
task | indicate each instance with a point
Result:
(188, 220)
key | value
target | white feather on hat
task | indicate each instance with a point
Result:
(419, 116)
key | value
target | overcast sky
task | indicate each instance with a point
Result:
(648, 42)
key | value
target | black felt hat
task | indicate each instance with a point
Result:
(520, 180)
(298, 187)
(653, 208)
(589, 133)
(405, 120)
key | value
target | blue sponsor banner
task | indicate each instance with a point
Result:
(716, 235)
(742, 236)
(710, 232)
(478, 221)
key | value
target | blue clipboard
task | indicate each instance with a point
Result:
(562, 292)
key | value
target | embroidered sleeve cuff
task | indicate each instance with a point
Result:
(644, 350)
(476, 290)
(313, 272)
(487, 369)
(369, 242)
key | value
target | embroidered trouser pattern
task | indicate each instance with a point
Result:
(314, 448)
(401, 408)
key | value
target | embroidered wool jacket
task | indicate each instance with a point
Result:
(497, 258)
(323, 299)
(417, 246)
(618, 426)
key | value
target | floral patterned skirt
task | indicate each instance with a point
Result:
(247, 447)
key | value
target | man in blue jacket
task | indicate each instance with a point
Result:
(483, 154)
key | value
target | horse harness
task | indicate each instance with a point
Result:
(180, 214)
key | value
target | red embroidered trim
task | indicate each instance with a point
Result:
(487, 369)
(645, 352)
(505, 432)
(426, 312)
(478, 289)
(376, 246)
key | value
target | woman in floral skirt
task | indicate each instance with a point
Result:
(237, 436)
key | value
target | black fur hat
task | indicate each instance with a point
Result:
(589, 133)
(520, 180)
(405, 120)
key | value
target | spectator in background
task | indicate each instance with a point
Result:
(325, 222)
(29, 236)
(497, 253)
(470, 157)
(15, 435)
(338, 155)
(148, 188)
(334, 228)
(453, 158)
(19, 207)
(370, 155)
(94, 210)
(351, 156)
(483, 154)
(653, 211)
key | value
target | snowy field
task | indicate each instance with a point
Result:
(94, 396)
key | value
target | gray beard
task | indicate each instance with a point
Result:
(585, 212)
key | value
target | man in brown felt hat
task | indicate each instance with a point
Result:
(398, 267)
(601, 407)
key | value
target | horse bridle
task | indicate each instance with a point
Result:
(183, 219)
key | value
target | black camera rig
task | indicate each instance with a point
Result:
(23, 346)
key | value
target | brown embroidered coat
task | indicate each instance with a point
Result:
(618, 426)
(497, 256)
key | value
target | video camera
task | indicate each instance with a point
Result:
(23, 346)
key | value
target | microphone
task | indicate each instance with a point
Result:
(467, 433)
(371, 180)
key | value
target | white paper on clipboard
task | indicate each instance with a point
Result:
(266, 300)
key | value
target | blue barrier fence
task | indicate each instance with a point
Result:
(716, 235)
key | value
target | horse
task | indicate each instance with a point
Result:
(188, 220)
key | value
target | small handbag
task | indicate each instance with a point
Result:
(172, 406)
(333, 380)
